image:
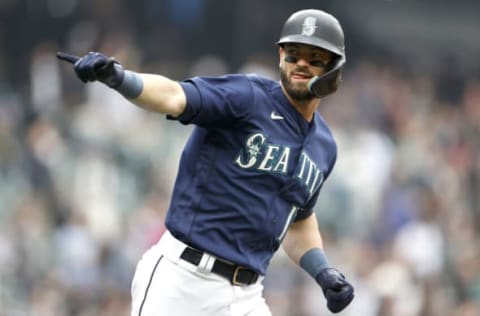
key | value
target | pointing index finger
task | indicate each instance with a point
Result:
(67, 57)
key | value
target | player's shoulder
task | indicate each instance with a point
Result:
(263, 81)
(324, 132)
(239, 79)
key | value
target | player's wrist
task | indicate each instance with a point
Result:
(112, 76)
(314, 261)
(131, 84)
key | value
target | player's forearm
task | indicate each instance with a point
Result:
(302, 236)
(151, 92)
(160, 94)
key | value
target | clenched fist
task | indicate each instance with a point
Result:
(337, 291)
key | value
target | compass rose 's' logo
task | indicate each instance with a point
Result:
(309, 26)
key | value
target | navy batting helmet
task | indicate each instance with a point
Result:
(319, 29)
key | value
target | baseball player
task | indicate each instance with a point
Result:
(249, 175)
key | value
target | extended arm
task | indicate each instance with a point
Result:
(152, 92)
(160, 94)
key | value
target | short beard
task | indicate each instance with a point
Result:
(300, 94)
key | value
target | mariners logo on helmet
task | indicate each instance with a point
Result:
(309, 26)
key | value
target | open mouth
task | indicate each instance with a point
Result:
(301, 76)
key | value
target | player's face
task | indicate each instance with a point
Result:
(298, 64)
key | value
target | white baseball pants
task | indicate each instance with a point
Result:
(165, 285)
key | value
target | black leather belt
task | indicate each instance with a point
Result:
(237, 275)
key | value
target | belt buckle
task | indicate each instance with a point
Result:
(235, 275)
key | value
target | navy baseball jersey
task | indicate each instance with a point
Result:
(251, 167)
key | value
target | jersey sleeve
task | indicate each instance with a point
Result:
(306, 211)
(216, 101)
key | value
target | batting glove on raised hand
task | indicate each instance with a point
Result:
(337, 291)
(96, 67)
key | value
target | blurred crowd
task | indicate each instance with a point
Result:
(85, 176)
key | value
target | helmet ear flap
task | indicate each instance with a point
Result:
(321, 86)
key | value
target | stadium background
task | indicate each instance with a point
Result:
(85, 177)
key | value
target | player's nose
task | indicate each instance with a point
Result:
(302, 62)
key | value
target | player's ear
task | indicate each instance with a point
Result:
(281, 52)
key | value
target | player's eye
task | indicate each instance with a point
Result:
(291, 59)
(315, 63)
(319, 63)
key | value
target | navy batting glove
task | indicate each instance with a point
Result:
(96, 66)
(337, 291)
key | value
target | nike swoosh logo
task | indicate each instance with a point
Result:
(275, 116)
